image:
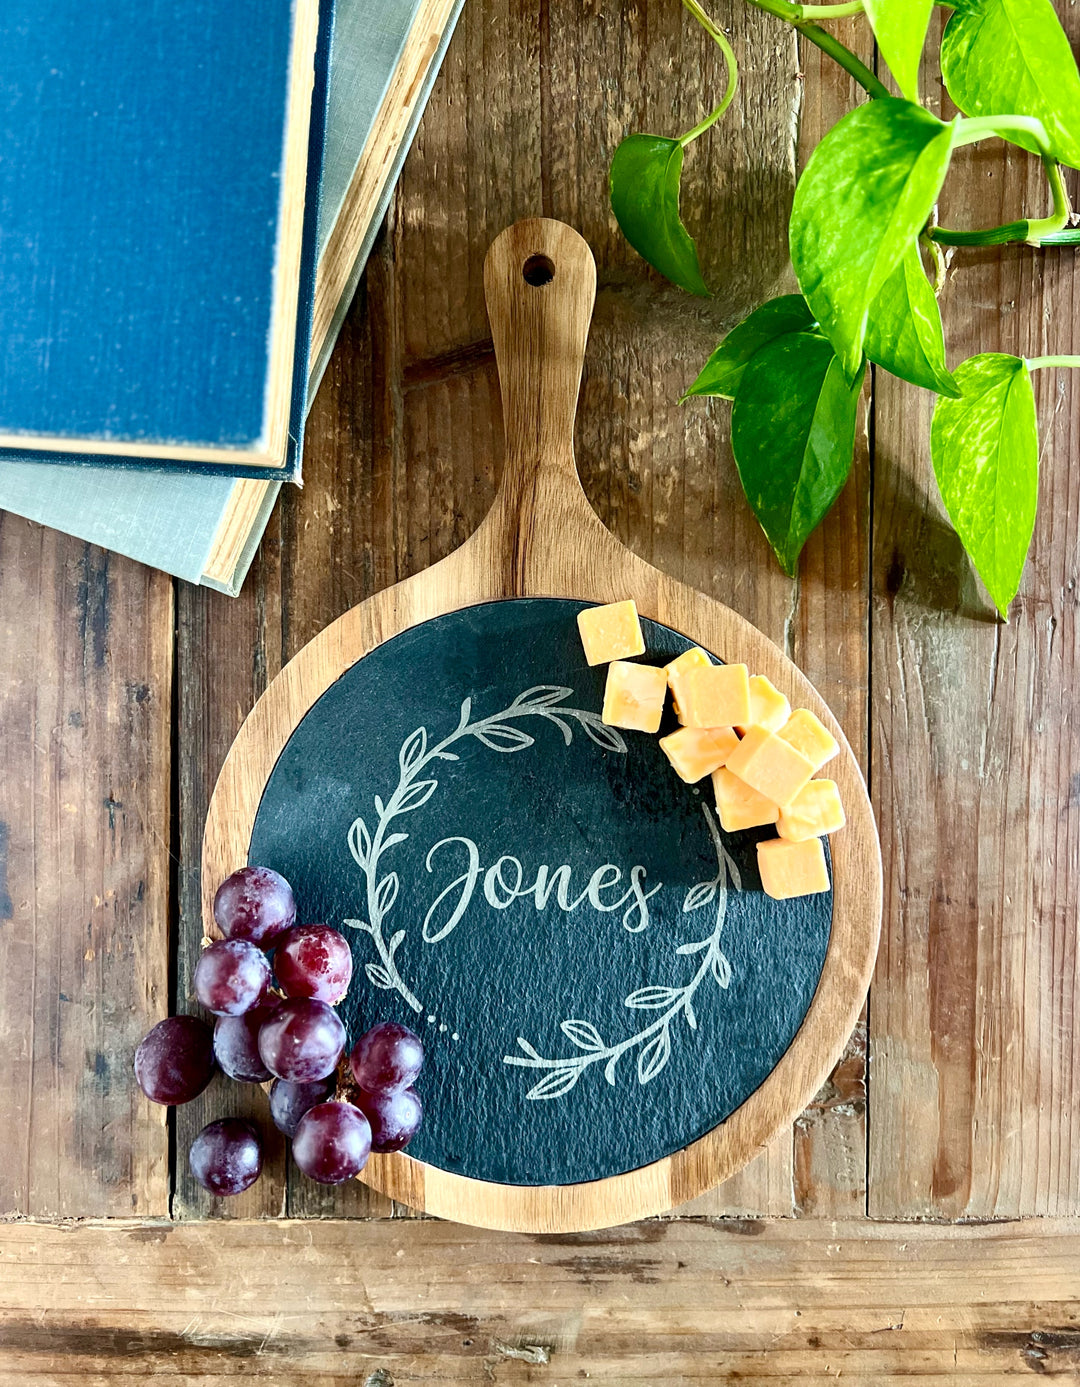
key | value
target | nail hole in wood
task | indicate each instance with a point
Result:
(538, 271)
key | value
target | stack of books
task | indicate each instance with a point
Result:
(189, 190)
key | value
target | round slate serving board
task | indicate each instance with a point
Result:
(549, 878)
(616, 1017)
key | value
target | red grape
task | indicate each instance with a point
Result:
(289, 1102)
(332, 1142)
(313, 961)
(226, 1156)
(255, 904)
(302, 1041)
(231, 976)
(394, 1117)
(387, 1058)
(236, 1042)
(175, 1061)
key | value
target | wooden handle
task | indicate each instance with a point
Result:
(540, 285)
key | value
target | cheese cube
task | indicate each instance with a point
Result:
(792, 869)
(677, 670)
(738, 806)
(718, 696)
(634, 696)
(768, 706)
(770, 765)
(610, 633)
(808, 734)
(816, 809)
(696, 752)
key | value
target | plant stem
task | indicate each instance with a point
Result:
(971, 129)
(840, 53)
(937, 255)
(1037, 363)
(840, 11)
(720, 39)
(1036, 231)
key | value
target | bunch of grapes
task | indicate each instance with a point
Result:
(291, 1035)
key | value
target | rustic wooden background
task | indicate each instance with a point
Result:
(958, 1101)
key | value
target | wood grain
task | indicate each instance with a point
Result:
(227, 650)
(976, 1071)
(85, 686)
(528, 109)
(677, 1303)
(542, 538)
(828, 637)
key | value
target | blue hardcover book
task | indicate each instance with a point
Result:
(154, 248)
(384, 56)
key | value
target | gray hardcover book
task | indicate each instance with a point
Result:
(205, 528)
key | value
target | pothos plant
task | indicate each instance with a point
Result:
(863, 236)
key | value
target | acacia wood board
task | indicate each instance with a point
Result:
(542, 539)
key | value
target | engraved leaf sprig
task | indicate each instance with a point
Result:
(498, 733)
(653, 1042)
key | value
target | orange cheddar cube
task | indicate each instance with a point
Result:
(815, 810)
(696, 752)
(610, 633)
(718, 696)
(678, 669)
(768, 706)
(738, 806)
(770, 765)
(809, 735)
(634, 696)
(792, 869)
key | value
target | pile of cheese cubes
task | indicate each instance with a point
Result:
(737, 728)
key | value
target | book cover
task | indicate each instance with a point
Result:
(207, 528)
(153, 231)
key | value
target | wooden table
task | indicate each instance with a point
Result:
(920, 1218)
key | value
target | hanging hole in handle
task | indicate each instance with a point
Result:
(538, 270)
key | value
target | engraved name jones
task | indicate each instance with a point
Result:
(504, 882)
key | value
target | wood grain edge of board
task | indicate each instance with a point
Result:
(542, 539)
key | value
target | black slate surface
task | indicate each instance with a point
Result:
(512, 999)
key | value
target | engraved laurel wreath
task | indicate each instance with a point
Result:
(498, 733)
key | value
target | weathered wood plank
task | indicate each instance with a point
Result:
(395, 1302)
(828, 636)
(516, 122)
(85, 694)
(974, 1099)
(227, 650)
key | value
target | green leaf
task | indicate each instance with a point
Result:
(645, 175)
(985, 449)
(792, 433)
(900, 29)
(722, 372)
(904, 330)
(863, 198)
(1013, 56)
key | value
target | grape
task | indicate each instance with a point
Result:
(302, 1041)
(289, 1102)
(394, 1117)
(332, 1142)
(175, 1061)
(313, 961)
(255, 904)
(231, 977)
(226, 1156)
(236, 1042)
(386, 1058)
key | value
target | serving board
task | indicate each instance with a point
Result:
(597, 1053)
